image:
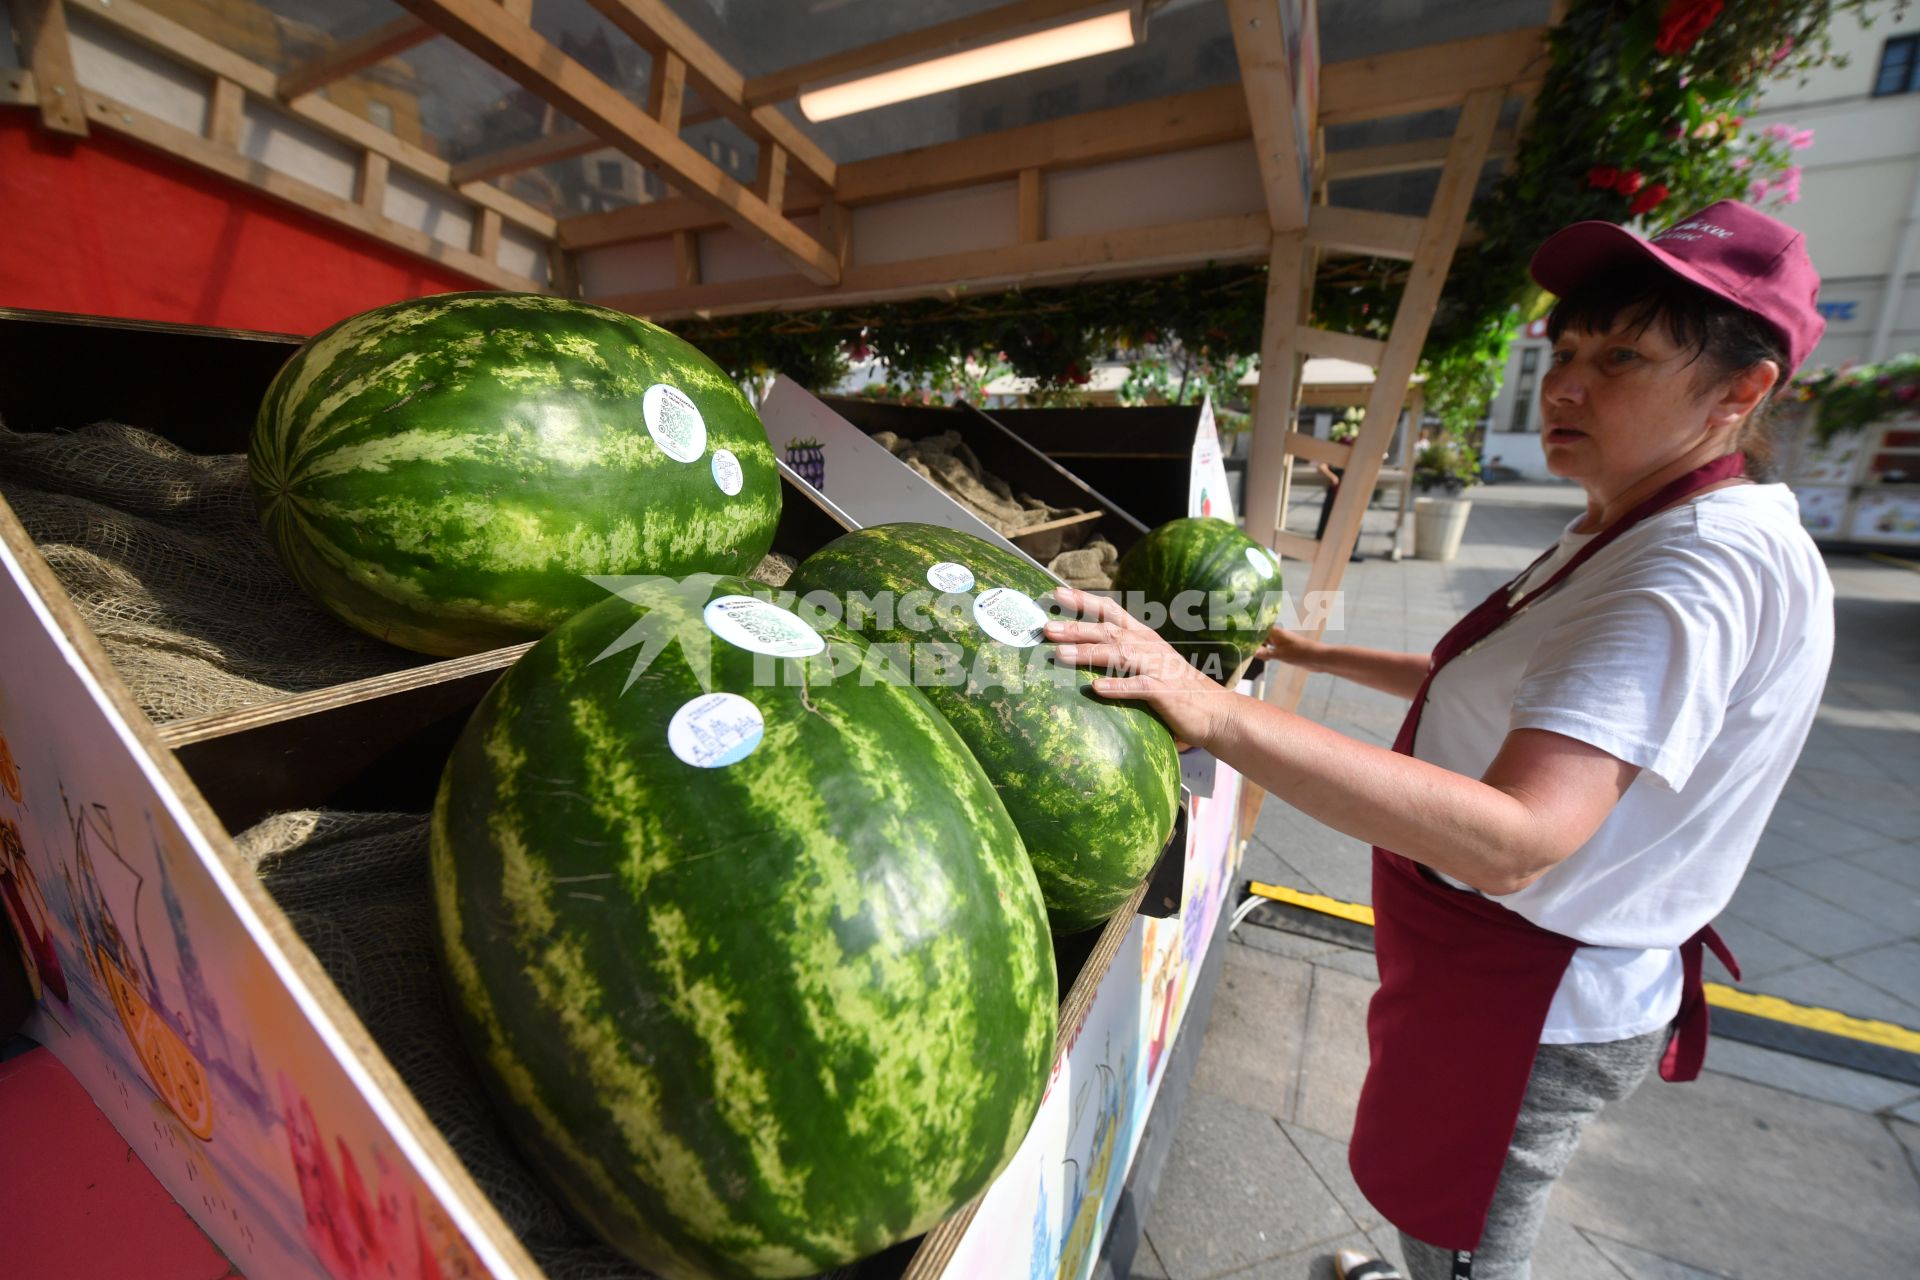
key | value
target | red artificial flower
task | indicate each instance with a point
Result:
(1647, 199)
(1684, 22)
(1629, 182)
(1602, 176)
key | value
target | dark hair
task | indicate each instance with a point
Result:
(1727, 337)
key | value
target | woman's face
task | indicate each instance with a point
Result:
(1618, 406)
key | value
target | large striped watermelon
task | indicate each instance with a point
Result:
(1207, 588)
(758, 973)
(1092, 785)
(443, 471)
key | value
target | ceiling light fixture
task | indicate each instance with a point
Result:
(1116, 26)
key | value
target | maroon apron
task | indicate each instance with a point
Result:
(1465, 985)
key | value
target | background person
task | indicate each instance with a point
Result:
(1589, 756)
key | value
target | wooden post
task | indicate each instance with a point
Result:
(1267, 461)
(42, 28)
(225, 113)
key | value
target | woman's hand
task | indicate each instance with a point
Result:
(1144, 667)
(1294, 650)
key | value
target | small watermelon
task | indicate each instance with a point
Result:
(1207, 588)
(443, 472)
(755, 968)
(1093, 785)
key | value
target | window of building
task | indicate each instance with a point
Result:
(1525, 387)
(381, 113)
(1899, 58)
(610, 176)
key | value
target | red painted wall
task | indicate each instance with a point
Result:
(100, 226)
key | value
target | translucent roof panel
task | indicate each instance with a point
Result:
(278, 33)
(1188, 46)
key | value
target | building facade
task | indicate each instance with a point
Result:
(1859, 207)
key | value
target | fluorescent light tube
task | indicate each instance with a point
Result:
(1082, 38)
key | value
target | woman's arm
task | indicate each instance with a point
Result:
(1541, 798)
(1399, 674)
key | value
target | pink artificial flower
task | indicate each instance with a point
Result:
(1778, 132)
(1756, 191)
(1742, 163)
(1801, 140)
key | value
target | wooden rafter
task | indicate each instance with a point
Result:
(1407, 157)
(1431, 76)
(352, 56)
(1363, 231)
(532, 61)
(1260, 43)
(1139, 251)
(655, 27)
(170, 39)
(1174, 123)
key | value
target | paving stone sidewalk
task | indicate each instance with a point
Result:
(1770, 1167)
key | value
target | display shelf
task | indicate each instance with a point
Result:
(180, 995)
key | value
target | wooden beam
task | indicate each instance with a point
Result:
(686, 258)
(667, 90)
(1184, 121)
(1100, 255)
(486, 236)
(1407, 157)
(167, 37)
(226, 113)
(770, 184)
(1339, 346)
(370, 185)
(18, 90)
(1288, 285)
(528, 155)
(1431, 76)
(352, 56)
(41, 28)
(912, 46)
(1260, 43)
(1033, 207)
(1297, 546)
(1363, 231)
(131, 122)
(655, 27)
(1332, 452)
(531, 61)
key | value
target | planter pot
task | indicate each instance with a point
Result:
(1438, 524)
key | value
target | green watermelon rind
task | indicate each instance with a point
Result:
(443, 472)
(1209, 556)
(755, 1020)
(1093, 785)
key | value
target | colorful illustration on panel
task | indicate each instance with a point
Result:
(809, 461)
(108, 894)
(1163, 979)
(26, 908)
(1088, 1181)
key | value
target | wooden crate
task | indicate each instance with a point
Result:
(170, 983)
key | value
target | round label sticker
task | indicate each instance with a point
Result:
(715, 729)
(747, 622)
(726, 471)
(948, 576)
(1262, 562)
(674, 422)
(1010, 617)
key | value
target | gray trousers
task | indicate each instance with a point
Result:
(1569, 1085)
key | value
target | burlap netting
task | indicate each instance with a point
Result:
(355, 886)
(164, 555)
(946, 460)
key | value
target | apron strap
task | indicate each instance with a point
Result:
(1687, 1050)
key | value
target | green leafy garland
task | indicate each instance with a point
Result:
(1640, 116)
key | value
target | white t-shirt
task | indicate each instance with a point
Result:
(1695, 646)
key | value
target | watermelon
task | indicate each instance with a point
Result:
(756, 969)
(1207, 588)
(443, 472)
(1093, 785)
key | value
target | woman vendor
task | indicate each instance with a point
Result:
(1589, 756)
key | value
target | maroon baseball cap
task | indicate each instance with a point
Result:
(1730, 250)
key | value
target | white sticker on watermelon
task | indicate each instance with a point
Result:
(726, 471)
(1261, 561)
(674, 422)
(948, 576)
(1010, 617)
(758, 626)
(715, 729)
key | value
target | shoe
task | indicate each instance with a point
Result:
(1351, 1264)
